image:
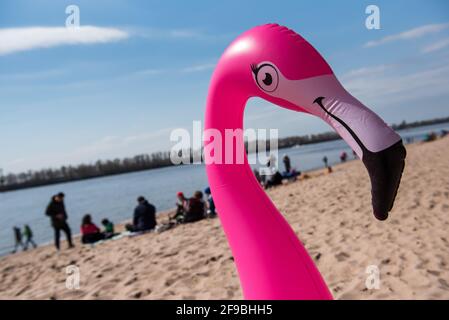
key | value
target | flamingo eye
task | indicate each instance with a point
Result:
(267, 77)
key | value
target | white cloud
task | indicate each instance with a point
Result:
(123, 146)
(396, 85)
(28, 38)
(153, 33)
(37, 75)
(15, 162)
(188, 69)
(367, 71)
(185, 33)
(436, 46)
(409, 34)
(151, 72)
(108, 147)
(178, 34)
(199, 68)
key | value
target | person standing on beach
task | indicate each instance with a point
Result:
(18, 238)
(287, 163)
(326, 165)
(325, 162)
(58, 215)
(28, 234)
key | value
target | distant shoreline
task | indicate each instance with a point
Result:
(162, 160)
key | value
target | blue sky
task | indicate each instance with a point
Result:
(143, 69)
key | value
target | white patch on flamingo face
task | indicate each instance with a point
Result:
(369, 128)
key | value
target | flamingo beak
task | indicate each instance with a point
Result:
(385, 165)
(385, 171)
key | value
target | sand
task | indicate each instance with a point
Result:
(410, 249)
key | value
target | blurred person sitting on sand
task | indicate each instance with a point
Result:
(432, 136)
(211, 213)
(58, 215)
(274, 180)
(195, 208)
(90, 233)
(18, 239)
(181, 205)
(343, 156)
(144, 218)
(28, 234)
(108, 228)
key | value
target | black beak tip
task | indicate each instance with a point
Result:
(385, 169)
(381, 216)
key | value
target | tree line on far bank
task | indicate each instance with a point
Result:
(155, 160)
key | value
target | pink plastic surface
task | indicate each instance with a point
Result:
(272, 263)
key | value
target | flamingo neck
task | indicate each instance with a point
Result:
(271, 261)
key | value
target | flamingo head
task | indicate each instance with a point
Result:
(276, 64)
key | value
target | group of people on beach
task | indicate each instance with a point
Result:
(275, 177)
(188, 210)
(270, 176)
(193, 209)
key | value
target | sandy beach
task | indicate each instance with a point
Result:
(411, 248)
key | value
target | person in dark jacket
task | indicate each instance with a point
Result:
(195, 208)
(144, 216)
(287, 163)
(18, 239)
(58, 216)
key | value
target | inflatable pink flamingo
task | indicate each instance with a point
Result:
(276, 64)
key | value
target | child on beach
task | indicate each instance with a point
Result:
(18, 239)
(181, 203)
(211, 213)
(326, 164)
(108, 228)
(28, 234)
